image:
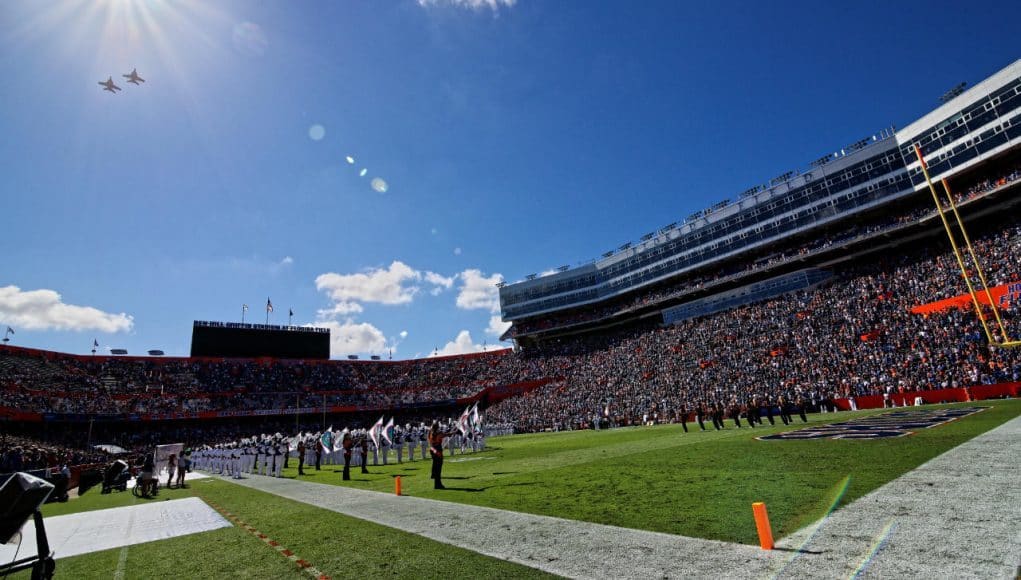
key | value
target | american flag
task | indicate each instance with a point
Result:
(269, 306)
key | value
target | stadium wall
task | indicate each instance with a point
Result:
(962, 395)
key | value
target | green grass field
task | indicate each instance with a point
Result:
(697, 484)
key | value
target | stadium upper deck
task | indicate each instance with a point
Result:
(977, 125)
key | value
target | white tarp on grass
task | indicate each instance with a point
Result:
(87, 532)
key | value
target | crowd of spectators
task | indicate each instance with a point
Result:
(21, 453)
(52, 383)
(854, 336)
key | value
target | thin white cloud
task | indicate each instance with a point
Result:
(463, 344)
(493, 5)
(350, 337)
(340, 309)
(439, 282)
(287, 261)
(479, 292)
(393, 285)
(497, 326)
(397, 284)
(457, 251)
(45, 310)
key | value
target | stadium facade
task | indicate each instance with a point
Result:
(867, 177)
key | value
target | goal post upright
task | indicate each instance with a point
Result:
(1005, 342)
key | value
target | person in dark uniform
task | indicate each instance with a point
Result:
(436, 451)
(754, 413)
(301, 457)
(718, 415)
(735, 413)
(347, 444)
(319, 454)
(700, 415)
(769, 411)
(365, 452)
(785, 414)
(802, 403)
(684, 417)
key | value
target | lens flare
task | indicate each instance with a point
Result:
(249, 39)
(350, 160)
(362, 172)
(379, 185)
(316, 132)
(837, 494)
(881, 540)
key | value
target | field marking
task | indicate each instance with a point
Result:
(888, 425)
(304, 565)
(122, 558)
(889, 532)
(113, 528)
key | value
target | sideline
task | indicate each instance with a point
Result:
(892, 531)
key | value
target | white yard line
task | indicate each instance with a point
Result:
(964, 524)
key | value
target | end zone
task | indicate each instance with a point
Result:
(886, 425)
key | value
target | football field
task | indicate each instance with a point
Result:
(655, 479)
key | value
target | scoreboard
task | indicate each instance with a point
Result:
(241, 340)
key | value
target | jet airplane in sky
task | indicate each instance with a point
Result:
(134, 78)
(109, 86)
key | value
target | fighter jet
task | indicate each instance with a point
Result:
(133, 77)
(109, 86)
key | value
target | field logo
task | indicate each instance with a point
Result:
(895, 424)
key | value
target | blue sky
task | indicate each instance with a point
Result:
(507, 138)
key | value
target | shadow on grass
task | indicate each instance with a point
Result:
(469, 489)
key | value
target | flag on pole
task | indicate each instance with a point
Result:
(10, 330)
(476, 419)
(244, 307)
(269, 306)
(388, 431)
(326, 440)
(290, 312)
(374, 432)
(462, 421)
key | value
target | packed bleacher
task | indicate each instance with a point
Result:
(40, 382)
(855, 336)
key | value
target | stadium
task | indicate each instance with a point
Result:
(838, 343)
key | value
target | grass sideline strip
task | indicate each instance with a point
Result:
(341, 546)
(304, 565)
(698, 484)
